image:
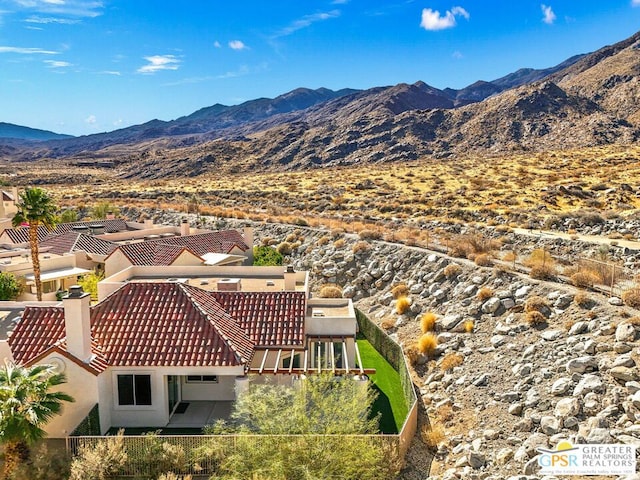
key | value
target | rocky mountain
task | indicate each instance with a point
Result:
(17, 132)
(585, 101)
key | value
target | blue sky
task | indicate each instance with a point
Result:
(87, 66)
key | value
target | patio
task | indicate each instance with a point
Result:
(199, 413)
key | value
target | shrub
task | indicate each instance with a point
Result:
(541, 264)
(543, 272)
(452, 270)
(583, 299)
(300, 221)
(323, 240)
(402, 305)
(412, 353)
(482, 260)
(43, 465)
(369, 234)
(340, 243)
(10, 287)
(584, 278)
(292, 237)
(285, 248)
(427, 344)
(388, 323)
(631, 297)
(428, 322)
(266, 256)
(266, 241)
(361, 247)
(536, 304)
(469, 326)
(432, 436)
(399, 290)
(485, 293)
(534, 318)
(100, 462)
(451, 360)
(330, 290)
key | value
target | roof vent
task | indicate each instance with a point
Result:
(271, 283)
(229, 285)
(317, 313)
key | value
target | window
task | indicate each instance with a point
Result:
(286, 362)
(134, 389)
(202, 379)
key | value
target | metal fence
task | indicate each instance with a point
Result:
(612, 278)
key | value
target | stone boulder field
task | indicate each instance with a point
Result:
(516, 363)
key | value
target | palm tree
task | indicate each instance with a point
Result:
(36, 208)
(26, 404)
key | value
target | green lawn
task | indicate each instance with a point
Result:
(390, 402)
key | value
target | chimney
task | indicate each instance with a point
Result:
(110, 216)
(248, 239)
(77, 323)
(148, 223)
(14, 192)
(184, 228)
(289, 279)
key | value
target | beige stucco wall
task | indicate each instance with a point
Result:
(224, 390)
(116, 262)
(82, 385)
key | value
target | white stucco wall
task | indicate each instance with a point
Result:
(224, 390)
(82, 385)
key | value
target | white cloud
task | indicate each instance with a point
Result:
(117, 122)
(66, 8)
(159, 62)
(217, 44)
(57, 64)
(305, 22)
(237, 45)
(91, 120)
(27, 50)
(548, 16)
(188, 81)
(635, 3)
(45, 20)
(457, 54)
(243, 70)
(432, 20)
(109, 72)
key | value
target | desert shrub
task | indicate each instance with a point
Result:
(412, 353)
(300, 221)
(323, 240)
(583, 299)
(541, 264)
(452, 270)
(485, 293)
(399, 290)
(536, 304)
(266, 256)
(266, 241)
(10, 287)
(451, 360)
(330, 290)
(482, 260)
(428, 322)
(635, 321)
(43, 465)
(468, 326)
(427, 344)
(173, 476)
(543, 272)
(361, 247)
(367, 234)
(402, 305)
(472, 244)
(388, 323)
(285, 248)
(534, 318)
(432, 435)
(631, 297)
(292, 237)
(100, 462)
(340, 243)
(584, 278)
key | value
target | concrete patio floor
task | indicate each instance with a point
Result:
(200, 413)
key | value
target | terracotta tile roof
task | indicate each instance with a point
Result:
(73, 242)
(222, 241)
(270, 318)
(21, 234)
(7, 197)
(152, 253)
(143, 324)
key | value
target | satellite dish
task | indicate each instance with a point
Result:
(58, 364)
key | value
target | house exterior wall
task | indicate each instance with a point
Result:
(116, 262)
(157, 414)
(187, 259)
(82, 385)
(224, 390)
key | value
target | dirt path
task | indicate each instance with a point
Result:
(597, 239)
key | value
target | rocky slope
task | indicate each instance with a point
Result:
(573, 375)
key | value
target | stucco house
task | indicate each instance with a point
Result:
(152, 344)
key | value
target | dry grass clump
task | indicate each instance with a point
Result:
(412, 353)
(485, 293)
(427, 344)
(483, 260)
(635, 321)
(583, 299)
(369, 234)
(388, 323)
(285, 248)
(360, 247)
(402, 305)
(400, 290)
(330, 290)
(340, 243)
(536, 304)
(542, 265)
(452, 270)
(432, 436)
(428, 322)
(323, 240)
(584, 278)
(471, 245)
(267, 241)
(534, 318)
(631, 297)
(451, 360)
(468, 326)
